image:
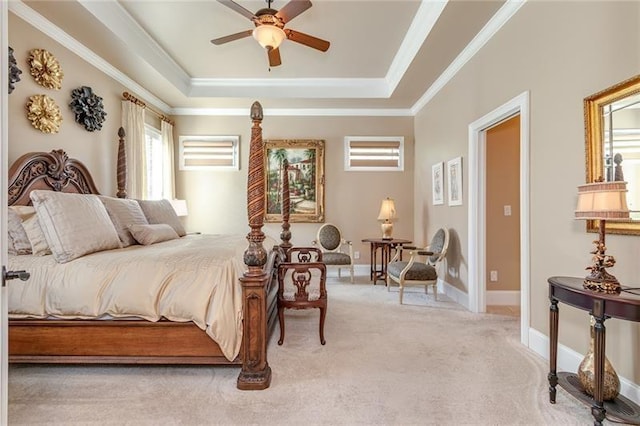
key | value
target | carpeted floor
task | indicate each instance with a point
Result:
(424, 362)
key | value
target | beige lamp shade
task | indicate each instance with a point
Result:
(387, 210)
(603, 200)
(269, 36)
(180, 206)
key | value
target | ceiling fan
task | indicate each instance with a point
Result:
(270, 31)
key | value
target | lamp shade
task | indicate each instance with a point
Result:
(269, 35)
(387, 210)
(180, 206)
(603, 200)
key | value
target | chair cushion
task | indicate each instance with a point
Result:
(336, 259)
(418, 272)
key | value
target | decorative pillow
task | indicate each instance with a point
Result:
(124, 213)
(18, 239)
(37, 241)
(151, 234)
(161, 211)
(74, 224)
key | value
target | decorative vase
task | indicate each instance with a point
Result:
(586, 374)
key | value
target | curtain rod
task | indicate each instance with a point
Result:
(129, 97)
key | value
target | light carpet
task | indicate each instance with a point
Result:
(424, 362)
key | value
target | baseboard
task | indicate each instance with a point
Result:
(503, 298)
(460, 297)
(569, 360)
(358, 270)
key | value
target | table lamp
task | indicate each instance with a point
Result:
(602, 201)
(387, 214)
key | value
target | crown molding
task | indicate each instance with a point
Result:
(497, 21)
(298, 112)
(422, 24)
(38, 21)
(330, 88)
(122, 25)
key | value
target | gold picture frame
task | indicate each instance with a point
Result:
(305, 158)
(597, 112)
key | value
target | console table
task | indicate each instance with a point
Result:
(602, 306)
(385, 246)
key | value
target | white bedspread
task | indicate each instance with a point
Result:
(194, 278)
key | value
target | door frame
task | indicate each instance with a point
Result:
(477, 205)
(4, 138)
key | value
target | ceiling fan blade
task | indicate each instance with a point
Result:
(274, 57)
(231, 37)
(241, 10)
(293, 9)
(307, 40)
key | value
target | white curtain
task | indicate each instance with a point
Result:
(133, 124)
(169, 184)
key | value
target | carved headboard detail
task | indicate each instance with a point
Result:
(53, 171)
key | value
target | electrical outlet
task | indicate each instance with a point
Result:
(494, 276)
(356, 255)
(507, 210)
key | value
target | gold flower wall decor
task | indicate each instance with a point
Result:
(44, 113)
(45, 69)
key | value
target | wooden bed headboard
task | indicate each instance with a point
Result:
(55, 171)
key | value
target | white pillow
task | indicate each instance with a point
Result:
(124, 213)
(74, 224)
(151, 234)
(161, 211)
(37, 241)
(18, 239)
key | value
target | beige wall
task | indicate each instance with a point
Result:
(98, 149)
(503, 188)
(561, 52)
(217, 200)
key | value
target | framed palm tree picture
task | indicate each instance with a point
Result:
(303, 161)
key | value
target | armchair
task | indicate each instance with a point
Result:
(329, 240)
(421, 269)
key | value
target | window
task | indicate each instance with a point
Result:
(374, 153)
(155, 170)
(209, 152)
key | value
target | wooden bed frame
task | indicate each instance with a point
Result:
(145, 342)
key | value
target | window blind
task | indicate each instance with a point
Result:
(371, 153)
(209, 152)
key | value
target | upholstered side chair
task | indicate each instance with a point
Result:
(337, 252)
(422, 267)
(302, 285)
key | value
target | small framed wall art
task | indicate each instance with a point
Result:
(454, 178)
(437, 183)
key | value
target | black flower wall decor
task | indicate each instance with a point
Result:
(88, 108)
(14, 71)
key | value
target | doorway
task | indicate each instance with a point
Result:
(477, 207)
(502, 217)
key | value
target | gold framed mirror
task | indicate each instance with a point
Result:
(612, 127)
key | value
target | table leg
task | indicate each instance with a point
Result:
(553, 349)
(597, 410)
(371, 261)
(375, 264)
(385, 260)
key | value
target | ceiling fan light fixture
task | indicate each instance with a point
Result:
(269, 36)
